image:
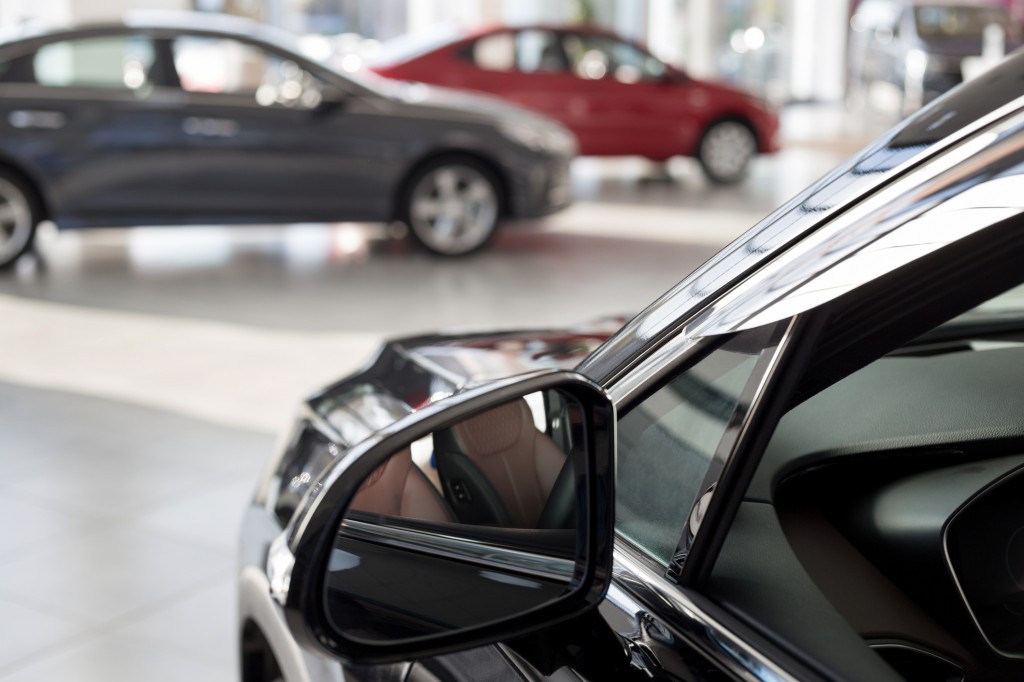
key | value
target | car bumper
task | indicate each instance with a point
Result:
(540, 189)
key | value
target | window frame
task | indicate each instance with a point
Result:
(725, 472)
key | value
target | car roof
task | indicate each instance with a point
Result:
(153, 20)
(759, 277)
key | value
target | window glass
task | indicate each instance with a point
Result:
(539, 51)
(594, 57)
(495, 52)
(109, 62)
(666, 445)
(225, 66)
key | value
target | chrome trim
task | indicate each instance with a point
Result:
(640, 376)
(955, 194)
(949, 561)
(920, 650)
(690, 622)
(772, 236)
(461, 549)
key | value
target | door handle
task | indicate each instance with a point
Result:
(210, 127)
(37, 118)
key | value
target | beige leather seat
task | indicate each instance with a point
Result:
(520, 462)
(398, 488)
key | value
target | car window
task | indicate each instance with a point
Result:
(232, 67)
(594, 57)
(116, 62)
(495, 52)
(539, 51)
(667, 443)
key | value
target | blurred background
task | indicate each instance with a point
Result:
(145, 372)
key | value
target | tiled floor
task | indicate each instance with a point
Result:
(143, 375)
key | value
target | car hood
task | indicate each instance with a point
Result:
(410, 373)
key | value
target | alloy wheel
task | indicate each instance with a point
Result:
(17, 221)
(726, 151)
(453, 209)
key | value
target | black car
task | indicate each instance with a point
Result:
(196, 120)
(804, 462)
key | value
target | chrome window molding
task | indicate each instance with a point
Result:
(675, 609)
(653, 368)
(957, 193)
(871, 170)
(460, 549)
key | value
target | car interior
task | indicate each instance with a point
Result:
(495, 469)
(883, 529)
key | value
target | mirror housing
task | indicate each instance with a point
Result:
(299, 562)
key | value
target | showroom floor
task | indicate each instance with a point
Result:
(145, 373)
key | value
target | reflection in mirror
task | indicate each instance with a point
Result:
(472, 524)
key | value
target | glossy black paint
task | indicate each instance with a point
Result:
(118, 157)
(306, 609)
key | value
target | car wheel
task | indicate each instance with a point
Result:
(18, 217)
(726, 150)
(452, 206)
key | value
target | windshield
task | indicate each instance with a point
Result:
(939, 22)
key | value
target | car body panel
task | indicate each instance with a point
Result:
(656, 118)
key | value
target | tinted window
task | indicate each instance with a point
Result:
(121, 62)
(666, 445)
(225, 66)
(495, 52)
(594, 57)
(539, 51)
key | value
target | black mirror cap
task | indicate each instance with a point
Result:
(314, 526)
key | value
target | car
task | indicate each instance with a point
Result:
(168, 119)
(803, 462)
(922, 48)
(614, 95)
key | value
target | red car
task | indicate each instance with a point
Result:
(614, 95)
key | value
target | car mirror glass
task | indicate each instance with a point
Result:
(472, 524)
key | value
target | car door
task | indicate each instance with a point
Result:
(628, 102)
(681, 422)
(89, 114)
(525, 66)
(259, 141)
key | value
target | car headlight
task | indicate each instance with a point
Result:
(549, 138)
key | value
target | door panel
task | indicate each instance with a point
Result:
(259, 144)
(87, 118)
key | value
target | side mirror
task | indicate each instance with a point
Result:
(480, 518)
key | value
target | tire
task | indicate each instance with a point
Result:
(19, 215)
(452, 206)
(726, 150)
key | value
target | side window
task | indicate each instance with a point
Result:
(539, 51)
(232, 67)
(115, 62)
(667, 445)
(495, 52)
(594, 57)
